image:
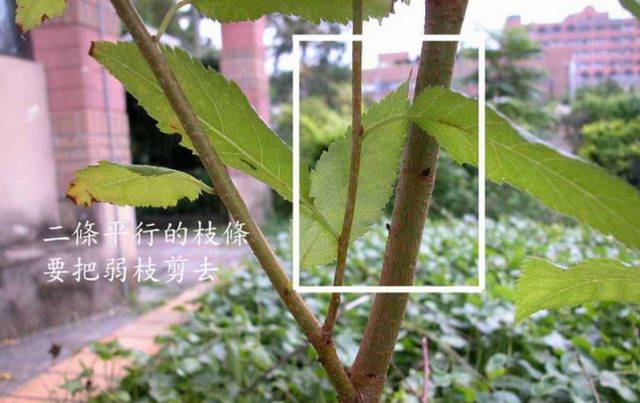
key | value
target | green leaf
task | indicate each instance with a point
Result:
(133, 185)
(563, 182)
(240, 137)
(385, 127)
(313, 10)
(543, 285)
(633, 6)
(31, 13)
(611, 380)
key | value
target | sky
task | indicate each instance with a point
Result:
(482, 15)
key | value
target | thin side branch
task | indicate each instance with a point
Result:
(232, 200)
(164, 25)
(446, 348)
(425, 369)
(585, 373)
(357, 134)
(413, 194)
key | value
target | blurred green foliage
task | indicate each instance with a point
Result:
(604, 125)
(602, 102)
(241, 346)
(320, 125)
(615, 145)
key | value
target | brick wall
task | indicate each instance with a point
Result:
(243, 58)
(87, 106)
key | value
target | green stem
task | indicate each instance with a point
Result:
(357, 135)
(208, 189)
(446, 347)
(413, 194)
(169, 16)
(232, 200)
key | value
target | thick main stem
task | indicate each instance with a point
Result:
(232, 199)
(357, 135)
(415, 184)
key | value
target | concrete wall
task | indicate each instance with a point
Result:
(27, 172)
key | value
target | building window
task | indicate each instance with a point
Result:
(12, 42)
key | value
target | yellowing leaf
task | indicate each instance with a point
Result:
(563, 182)
(313, 10)
(240, 137)
(543, 285)
(133, 185)
(31, 13)
(385, 126)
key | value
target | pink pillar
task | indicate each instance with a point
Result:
(87, 106)
(243, 59)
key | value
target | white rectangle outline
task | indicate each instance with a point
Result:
(480, 43)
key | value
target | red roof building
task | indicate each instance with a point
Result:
(392, 70)
(585, 49)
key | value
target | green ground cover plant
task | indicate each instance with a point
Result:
(238, 347)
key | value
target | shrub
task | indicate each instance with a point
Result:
(615, 145)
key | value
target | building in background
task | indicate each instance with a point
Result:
(392, 70)
(586, 48)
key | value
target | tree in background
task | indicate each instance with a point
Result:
(601, 102)
(328, 74)
(604, 127)
(615, 145)
(286, 26)
(325, 84)
(512, 79)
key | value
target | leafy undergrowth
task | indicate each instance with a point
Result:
(241, 346)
